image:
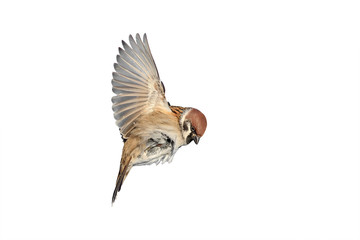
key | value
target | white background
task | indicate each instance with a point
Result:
(278, 82)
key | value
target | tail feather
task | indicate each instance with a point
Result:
(130, 150)
(123, 172)
(118, 185)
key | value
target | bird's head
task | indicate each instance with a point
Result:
(193, 125)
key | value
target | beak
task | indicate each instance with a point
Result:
(196, 139)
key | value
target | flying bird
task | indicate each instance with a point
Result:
(152, 129)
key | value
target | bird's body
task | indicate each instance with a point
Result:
(152, 129)
(157, 144)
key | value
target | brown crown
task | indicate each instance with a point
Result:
(198, 121)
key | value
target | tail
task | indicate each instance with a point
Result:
(130, 150)
(119, 182)
(123, 172)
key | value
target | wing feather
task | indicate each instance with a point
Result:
(148, 49)
(147, 55)
(140, 55)
(127, 111)
(135, 66)
(124, 84)
(128, 70)
(135, 59)
(123, 78)
(128, 123)
(129, 104)
(136, 83)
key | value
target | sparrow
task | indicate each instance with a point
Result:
(152, 130)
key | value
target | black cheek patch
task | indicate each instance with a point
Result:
(185, 127)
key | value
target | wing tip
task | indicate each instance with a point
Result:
(115, 74)
(125, 45)
(131, 40)
(137, 37)
(113, 99)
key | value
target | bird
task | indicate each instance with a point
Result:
(152, 130)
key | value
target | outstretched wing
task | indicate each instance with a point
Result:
(136, 84)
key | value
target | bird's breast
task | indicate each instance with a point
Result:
(158, 148)
(160, 136)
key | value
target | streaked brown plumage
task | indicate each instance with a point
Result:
(177, 110)
(152, 129)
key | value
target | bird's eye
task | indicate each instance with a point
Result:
(192, 129)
